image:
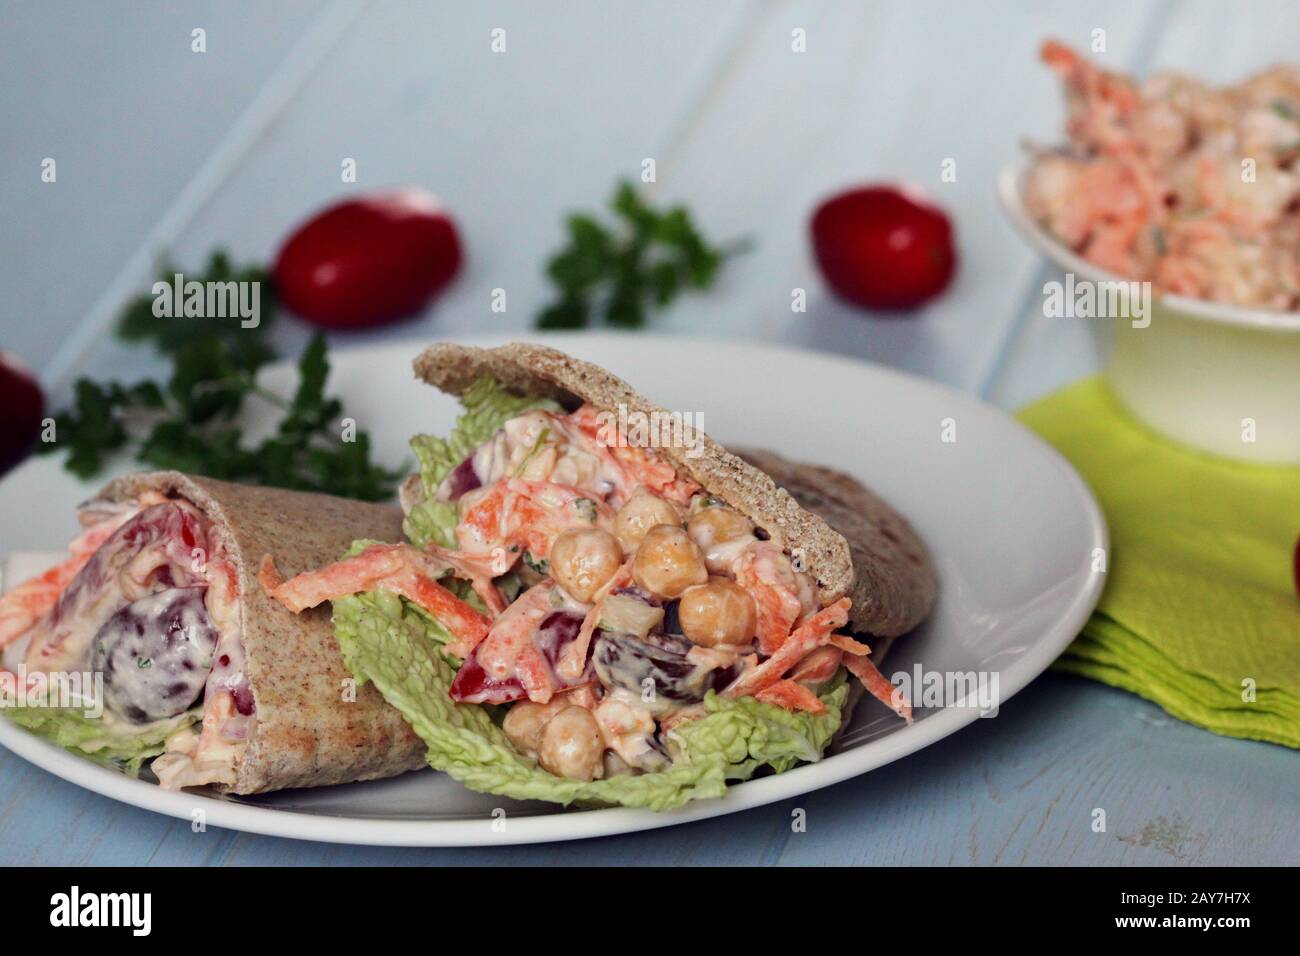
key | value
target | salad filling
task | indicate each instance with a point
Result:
(1191, 187)
(146, 609)
(646, 640)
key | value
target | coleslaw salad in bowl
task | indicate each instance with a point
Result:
(1173, 208)
(1193, 370)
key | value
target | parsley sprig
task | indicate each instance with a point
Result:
(622, 271)
(192, 422)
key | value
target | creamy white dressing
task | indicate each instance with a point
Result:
(511, 632)
(774, 566)
(628, 728)
(542, 446)
(491, 462)
(562, 601)
(62, 641)
(725, 554)
(199, 758)
(225, 731)
(11, 657)
(713, 658)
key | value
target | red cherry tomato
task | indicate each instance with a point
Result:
(1295, 565)
(881, 248)
(367, 262)
(24, 408)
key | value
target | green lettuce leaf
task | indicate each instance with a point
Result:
(431, 522)
(398, 647)
(117, 744)
(488, 406)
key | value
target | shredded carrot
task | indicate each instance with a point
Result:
(636, 465)
(358, 573)
(878, 686)
(776, 608)
(819, 666)
(848, 645)
(504, 517)
(500, 650)
(574, 660)
(478, 570)
(534, 673)
(399, 568)
(657, 475)
(455, 615)
(813, 633)
(516, 513)
(30, 601)
(791, 696)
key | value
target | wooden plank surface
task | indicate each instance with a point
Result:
(1018, 789)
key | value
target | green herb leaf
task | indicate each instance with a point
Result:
(624, 271)
(139, 323)
(568, 313)
(95, 426)
(193, 423)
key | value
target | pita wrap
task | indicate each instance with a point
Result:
(849, 539)
(305, 734)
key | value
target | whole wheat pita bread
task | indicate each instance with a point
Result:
(894, 582)
(885, 570)
(306, 734)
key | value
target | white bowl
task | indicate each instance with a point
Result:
(1218, 377)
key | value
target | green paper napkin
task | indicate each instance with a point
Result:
(1199, 606)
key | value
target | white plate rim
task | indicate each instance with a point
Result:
(583, 824)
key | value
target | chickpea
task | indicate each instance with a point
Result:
(719, 612)
(583, 560)
(571, 745)
(639, 514)
(525, 720)
(714, 527)
(668, 562)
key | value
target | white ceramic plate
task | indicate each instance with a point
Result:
(1011, 526)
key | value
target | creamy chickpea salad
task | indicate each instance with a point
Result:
(1191, 187)
(572, 619)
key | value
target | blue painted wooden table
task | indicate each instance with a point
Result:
(162, 149)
